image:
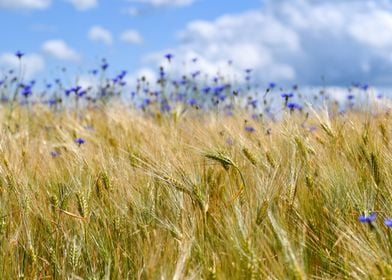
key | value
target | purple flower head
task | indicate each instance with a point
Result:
(19, 54)
(272, 85)
(80, 141)
(55, 154)
(350, 97)
(52, 102)
(253, 103)
(122, 74)
(365, 87)
(293, 106)
(195, 74)
(192, 102)
(26, 92)
(287, 95)
(169, 57)
(367, 218)
(104, 66)
(388, 222)
(247, 71)
(94, 72)
(249, 128)
(206, 90)
(68, 91)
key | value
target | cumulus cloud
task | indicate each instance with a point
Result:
(60, 50)
(100, 34)
(295, 41)
(83, 5)
(131, 36)
(25, 4)
(31, 64)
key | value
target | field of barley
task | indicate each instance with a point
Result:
(106, 192)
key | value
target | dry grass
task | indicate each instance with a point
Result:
(193, 196)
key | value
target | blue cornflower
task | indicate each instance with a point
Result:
(19, 54)
(104, 66)
(94, 72)
(365, 87)
(272, 85)
(388, 222)
(54, 153)
(206, 90)
(122, 74)
(253, 103)
(68, 91)
(249, 128)
(367, 218)
(169, 57)
(80, 141)
(293, 105)
(248, 70)
(52, 102)
(195, 74)
(192, 102)
(287, 95)
(81, 93)
(350, 97)
(27, 91)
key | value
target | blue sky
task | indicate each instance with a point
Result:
(304, 41)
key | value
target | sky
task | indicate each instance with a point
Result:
(310, 42)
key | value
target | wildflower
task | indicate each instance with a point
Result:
(388, 222)
(272, 85)
(367, 218)
(350, 97)
(192, 102)
(206, 90)
(292, 106)
(169, 57)
(19, 54)
(54, 154)
(80, 141)
(27, 91)
(365, 87)
(249, 128)
(104, 66)
(287, 95)
(195, 74)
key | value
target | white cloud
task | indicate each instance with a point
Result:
(83, 5)
(131, 36)
(294, 41)
(165, 3)
(32, 64)
(25, 4)
(60, 50)
(100, 34)
(131, 11)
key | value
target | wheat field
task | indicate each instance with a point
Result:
(194, 196)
